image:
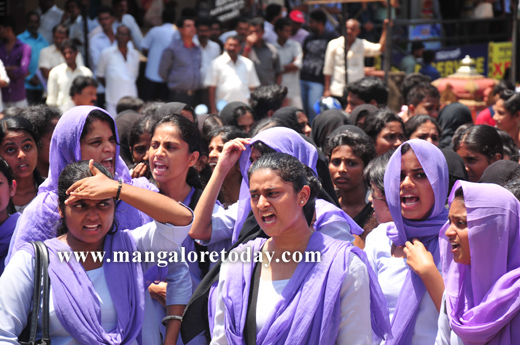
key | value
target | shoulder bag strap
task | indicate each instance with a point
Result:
(44, 252)
(35, 310)
(250, 328)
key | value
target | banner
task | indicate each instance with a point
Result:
(499, 59)
(225, 10)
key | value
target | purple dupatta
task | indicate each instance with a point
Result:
(40, 220)
(6, 232)
(427, 231)
(78, 307)
(309, 309)
(482, 299)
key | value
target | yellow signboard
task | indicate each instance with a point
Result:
(499, 59)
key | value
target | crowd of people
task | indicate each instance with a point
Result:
(414, 215)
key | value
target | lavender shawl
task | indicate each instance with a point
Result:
(78, 307)
(427, 231)
(482, 298)
(6, 232)
(309, 310)
(288, 141)
(41, 219)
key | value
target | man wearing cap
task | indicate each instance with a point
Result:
(358, 49)
(408, 62)
(298, 33)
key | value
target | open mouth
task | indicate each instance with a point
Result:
(91, 227)
(409, 200)
(454, 246)
(269, 218)
(108, 162)
(159, 168)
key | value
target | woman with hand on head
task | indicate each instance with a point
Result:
(405, 255)
(99, 301)
(335, 301)
(19, 147)
(481, 267)
(83, 133)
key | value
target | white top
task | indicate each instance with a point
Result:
(269, 293)
(208, 54)
(120, 74)
(60, 80)
(98, 43)
(445, 335)
(270, 35)
(355, 325)
(48, 21)
(232, 80)
(291, 52)
(4, 77)
(155, 41)
(391, 273)
(335, 61)
(76, 30)
(15, 304)
(51, 57)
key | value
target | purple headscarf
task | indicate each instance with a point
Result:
(41, 219)
(6, 232)
(282, 140)
(427, 231)
(482, 298)
(78, 307)
(309, 310)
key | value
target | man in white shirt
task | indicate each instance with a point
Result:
(291, 56)
(231, 77)
(358, 49)
(154, 43)
(101, 40)
(118, 70)
(123, 18)
(51, 56)
(50, 16)
(209, 52)
(61, 77)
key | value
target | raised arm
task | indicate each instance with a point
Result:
(201, 228)
(161, 208)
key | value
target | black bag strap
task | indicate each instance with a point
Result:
(44, 253)
(35, 310)
(41, 277)
(250, 328)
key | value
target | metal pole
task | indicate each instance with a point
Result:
(345, 50)
(388, 45)
(514, 40)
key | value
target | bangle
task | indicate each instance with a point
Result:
(171, 317)
(119, 187)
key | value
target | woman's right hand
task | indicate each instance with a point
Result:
(231, 154)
